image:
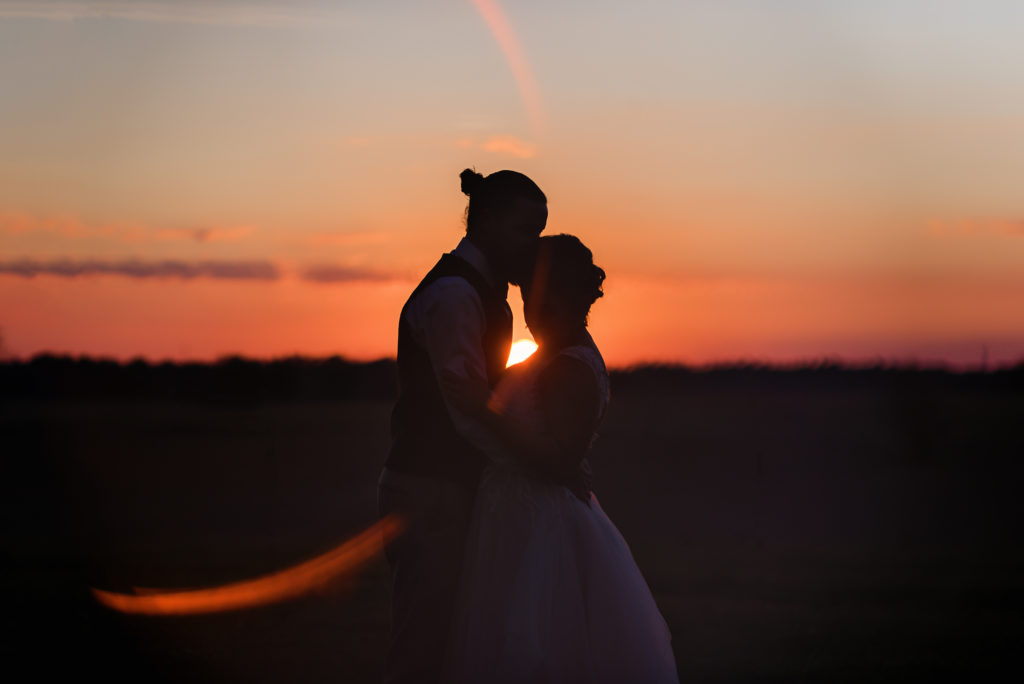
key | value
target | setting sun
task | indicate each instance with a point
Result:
(521, 350)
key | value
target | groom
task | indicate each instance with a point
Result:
(456, 325)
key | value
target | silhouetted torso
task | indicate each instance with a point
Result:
(424, 438)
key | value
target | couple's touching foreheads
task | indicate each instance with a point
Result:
(508, 569)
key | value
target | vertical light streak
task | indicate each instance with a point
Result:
(503, 32)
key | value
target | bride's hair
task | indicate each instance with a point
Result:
(495, 191)
(571, 272)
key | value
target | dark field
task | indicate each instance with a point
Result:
(829, 526)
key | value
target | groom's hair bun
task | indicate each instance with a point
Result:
(471, 181)
(496, 191)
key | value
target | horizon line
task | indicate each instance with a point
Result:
(807, 363)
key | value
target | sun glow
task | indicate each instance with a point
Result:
(521, 350)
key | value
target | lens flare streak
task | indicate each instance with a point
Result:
(503, 32)
(278, 586)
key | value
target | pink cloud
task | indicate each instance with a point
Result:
(341, 239)
(138, 268)
(237, 13)
(976, 227)
(65, 225)
(360, 141)
(205, 233)
(333, 273)
(508, 145)
(17, 223)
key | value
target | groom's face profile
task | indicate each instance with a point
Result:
(514, 234)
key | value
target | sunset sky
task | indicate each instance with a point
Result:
(767, 180)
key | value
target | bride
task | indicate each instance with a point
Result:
(549, 590)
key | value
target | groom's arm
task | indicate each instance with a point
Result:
(447, 319)
(569, 402)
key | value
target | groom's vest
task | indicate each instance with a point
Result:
(423, 438)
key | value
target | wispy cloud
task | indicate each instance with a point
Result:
(342, 239)
(138, 268)
(68, 226)
(976, 227)
(18, 223)
(216, 12)
(510, 145)
(359, 141)
(506, 145)
(205, 233)
(333, 273)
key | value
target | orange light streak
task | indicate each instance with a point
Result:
(277, 586)
(503, 32)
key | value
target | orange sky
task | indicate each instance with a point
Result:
(189, 180)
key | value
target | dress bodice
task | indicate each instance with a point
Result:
(517, 398)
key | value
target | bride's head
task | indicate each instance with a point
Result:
(564, 284)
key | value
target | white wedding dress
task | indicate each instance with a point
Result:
(549, 589)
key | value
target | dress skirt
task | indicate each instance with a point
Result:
(550, 593)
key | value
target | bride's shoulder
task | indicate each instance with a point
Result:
(572, 389)
(589, 354)
(581, 365)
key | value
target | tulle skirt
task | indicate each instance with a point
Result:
(550, 593)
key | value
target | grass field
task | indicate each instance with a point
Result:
(804, 533)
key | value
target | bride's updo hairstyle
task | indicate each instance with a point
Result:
(567, 272)
(495, 192)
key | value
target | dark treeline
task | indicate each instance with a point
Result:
(239, 380)
(233, 380)
(815, 375)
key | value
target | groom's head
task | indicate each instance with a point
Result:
(505, 216)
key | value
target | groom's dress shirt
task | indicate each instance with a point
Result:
(447, 319)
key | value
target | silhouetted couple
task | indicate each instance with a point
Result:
(508, 571)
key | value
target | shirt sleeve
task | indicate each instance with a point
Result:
(447, 319)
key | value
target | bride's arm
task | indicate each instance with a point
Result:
(569, 401)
